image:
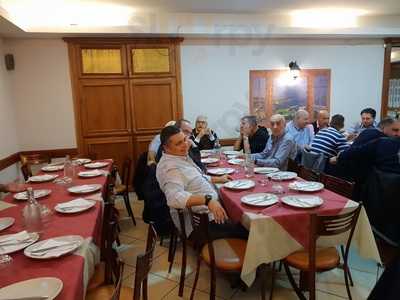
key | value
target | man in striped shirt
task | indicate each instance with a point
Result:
(329, 141)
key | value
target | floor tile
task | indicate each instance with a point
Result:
(199, 295)
(138, 247)
(138, 232)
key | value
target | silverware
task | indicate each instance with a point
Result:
(34, 251)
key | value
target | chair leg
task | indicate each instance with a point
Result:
(293, 283)
(213, 282)
(348, 269)
(171, 250)
(346, 280)
(196, 278)
(129, 208)
(263, 277)
(183, 268)
(272, 280)
(144, 288)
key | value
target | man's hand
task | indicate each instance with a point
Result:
(221, 179)
(15, 187)
(218, 211)
(333, 160)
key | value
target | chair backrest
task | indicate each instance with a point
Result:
(143, 265)
(112, 262)
(201, 234)
(338, 185)
(313, 161)
(328, 226)
(308, 174)
(126, 171)
(293, 166)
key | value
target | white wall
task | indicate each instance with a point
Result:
(8, 133)
(41, 89)
(215, 75)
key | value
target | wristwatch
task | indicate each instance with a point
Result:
(208, 198)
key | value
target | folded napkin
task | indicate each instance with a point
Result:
(79, 202)
(41, 177)
(98, 164)
(82, 188)
(300, 184)
(20, 236)
(93, 172)
(52, 244)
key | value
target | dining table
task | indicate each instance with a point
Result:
(277, 230)
(74, 269)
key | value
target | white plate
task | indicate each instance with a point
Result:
(96, 165)
(232, 152)
(302, 201)
(81, 161)
(236, 161)
(22, 196)
(220, 171)
(14, 248)
(204, 154)
(73, 243)
(207, 151)
(88, 174)
(209, 160)
(306, 186)
(283, 175)
(231, 156)
(76, 209)
(265, 170)
(241, 184)
(48, 287)
(52, 168)
(259, 199)
(6, 222)
(42, 178)
(84, 189)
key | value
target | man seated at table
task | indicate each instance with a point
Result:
(387, 127)
(185, 185)
(367, 121)
(321, 122)
(203, 136)
(280, 146)
(253, 138)
(301, 131)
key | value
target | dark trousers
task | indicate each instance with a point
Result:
(227, 230)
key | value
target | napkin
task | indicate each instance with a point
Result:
(52, 245)
(79, 202)
(41, 177)
(20, 236)
(94, 172)
(82, 188)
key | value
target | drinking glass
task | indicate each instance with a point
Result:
(276, 187)
(5, 260)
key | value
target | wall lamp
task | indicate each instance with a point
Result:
(294, 69)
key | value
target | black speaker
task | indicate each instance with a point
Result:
(9, 59)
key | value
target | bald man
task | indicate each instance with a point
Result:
(322, 121)
(280, 146)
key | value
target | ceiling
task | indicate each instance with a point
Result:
(204, 18)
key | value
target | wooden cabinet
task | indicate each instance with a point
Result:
(124, 90)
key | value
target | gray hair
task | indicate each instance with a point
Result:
(300, 113)
(277, 118)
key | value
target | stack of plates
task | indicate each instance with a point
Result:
(36, 193)
(302, 201)
(282, 175)
(42, 288)
(306, 186)
(241, 184)
(54, 247)
(83, 189)
(42, 178)
(10, 243)
(259, 199)
(220, 171)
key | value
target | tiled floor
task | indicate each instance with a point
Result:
(164, 285)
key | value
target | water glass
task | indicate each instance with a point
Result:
(276, 187)
(263, 181)
(5, 260)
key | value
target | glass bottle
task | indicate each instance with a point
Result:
(32, 213)
(248, 166)
(69, 171)
(217, 149)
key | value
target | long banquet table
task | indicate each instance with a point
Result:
(279, 230)
(76, 269)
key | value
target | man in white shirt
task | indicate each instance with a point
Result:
(184, 184)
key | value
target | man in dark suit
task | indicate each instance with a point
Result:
(388, 127)
(252, 138)
(321, 122)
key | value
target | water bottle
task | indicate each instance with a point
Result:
(246, 145)
(217, 149)
(248, 166)
(69, 171)
(32, 214)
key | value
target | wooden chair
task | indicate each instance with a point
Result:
(28, 160)
(217, 254)
(179, 233)
(293, 166)
(308, 174)
(123, 188)
(322, 259)
(338, 185)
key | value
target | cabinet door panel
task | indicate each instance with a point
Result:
(105, 107)
(154, 103)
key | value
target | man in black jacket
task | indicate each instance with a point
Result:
(257, 135)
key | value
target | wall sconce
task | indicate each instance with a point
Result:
(294, 69)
